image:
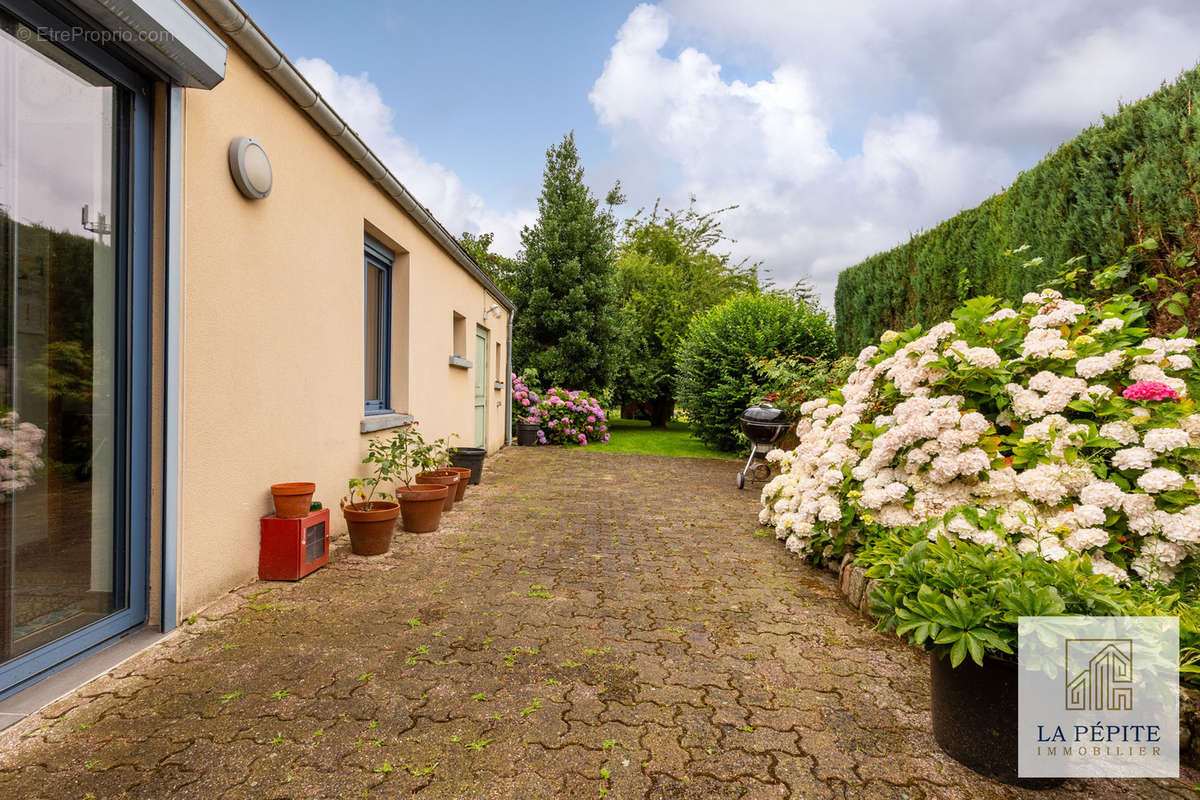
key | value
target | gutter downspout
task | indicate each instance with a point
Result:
(508, 386)
(238, 26)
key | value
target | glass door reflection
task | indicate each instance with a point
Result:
(62, 150)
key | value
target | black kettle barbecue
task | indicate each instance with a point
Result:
(763, 425)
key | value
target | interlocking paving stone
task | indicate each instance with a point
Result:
(584, 625)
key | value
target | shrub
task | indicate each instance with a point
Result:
(717, 368)
(564, 417)
(1056, 432)
(1115, 184)
(1036, 428)
(789, 381)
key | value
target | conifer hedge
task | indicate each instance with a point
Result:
(1134, 176)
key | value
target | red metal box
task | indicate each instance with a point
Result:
(289, 549)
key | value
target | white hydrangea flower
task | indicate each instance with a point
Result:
(1178, 362)
(1040, 343)
(1102, 566)
(1102, 494)
(1055, 313)
(1098, 365)
(1163, 440)
(1133, 458)
(1159, 479)
(1086, 539)
(1119, 432)
(1180, 345)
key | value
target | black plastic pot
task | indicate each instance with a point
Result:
(527, 434)
(469, 458)
(975, 718)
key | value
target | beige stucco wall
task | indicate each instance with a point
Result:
(272, 385)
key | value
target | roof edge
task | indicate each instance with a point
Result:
(238, 26)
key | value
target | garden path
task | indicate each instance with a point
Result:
(584, 625)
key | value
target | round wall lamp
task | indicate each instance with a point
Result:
(250, 167)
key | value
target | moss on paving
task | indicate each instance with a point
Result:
(666, 652)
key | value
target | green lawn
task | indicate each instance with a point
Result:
(636, 436)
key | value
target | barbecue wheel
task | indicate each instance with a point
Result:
(741, 480)
(762, 472)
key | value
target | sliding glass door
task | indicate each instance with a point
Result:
(72, 362)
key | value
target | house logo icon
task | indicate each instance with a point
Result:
(1099, 674)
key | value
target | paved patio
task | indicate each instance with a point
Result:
(584, 625)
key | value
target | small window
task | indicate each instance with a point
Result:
(460, 335)
(377, 332)
(499, 363)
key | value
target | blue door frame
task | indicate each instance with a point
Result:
(132, 484)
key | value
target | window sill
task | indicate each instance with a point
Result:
(380, 422)
(460, 362)
(497, 385)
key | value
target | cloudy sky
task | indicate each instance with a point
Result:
(837, 128)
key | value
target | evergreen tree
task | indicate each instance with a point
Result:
(563, 282)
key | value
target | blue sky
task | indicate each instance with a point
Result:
(839, 129)
(469, 81)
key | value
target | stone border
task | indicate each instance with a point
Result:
(855, 588)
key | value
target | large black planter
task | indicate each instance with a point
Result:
(527, 434)
(469, 458)
(975, 718)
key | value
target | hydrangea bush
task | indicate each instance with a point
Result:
(562, 417)
(1053, 429)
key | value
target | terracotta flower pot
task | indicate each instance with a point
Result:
(371, 526)
(442, 477)
(464, 475)
(292, 500)
(421, 506)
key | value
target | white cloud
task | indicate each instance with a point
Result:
(803, 208)
(359, 102)
(932, 104)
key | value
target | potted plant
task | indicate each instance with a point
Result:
(421, 504)
(961, 601)
(431, 457)
(371, 520)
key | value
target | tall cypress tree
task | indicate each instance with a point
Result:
(563, 282)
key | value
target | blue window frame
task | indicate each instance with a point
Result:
(377, 326)
(129, 456)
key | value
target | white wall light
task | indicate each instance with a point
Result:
(250, 168)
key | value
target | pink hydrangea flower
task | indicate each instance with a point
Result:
(1149, 390)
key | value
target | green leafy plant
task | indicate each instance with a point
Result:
(962, 600)
(395, 460)
(788, 380)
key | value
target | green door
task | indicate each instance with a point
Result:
(481, 373)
